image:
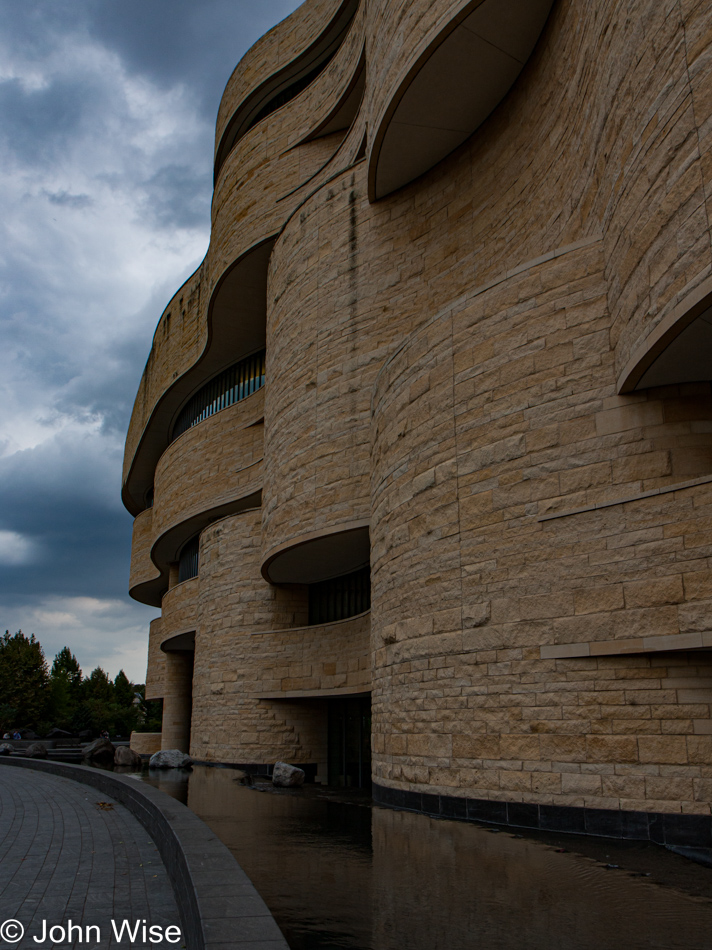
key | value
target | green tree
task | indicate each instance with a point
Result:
(65, 683)
(97, 707)
(24, 681)
(124, 689)
(67, 665)
(127, 711)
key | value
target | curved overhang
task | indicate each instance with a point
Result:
(295, 75)
(167, 548)
(236, 328)
(679, 349)
(150, 592)
(319, 556)
(345, 110)
(452, 88)
(179, 642)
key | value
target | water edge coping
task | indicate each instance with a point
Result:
(218, 904)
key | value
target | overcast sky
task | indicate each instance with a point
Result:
(107, 120)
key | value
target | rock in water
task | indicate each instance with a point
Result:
(38, 750)
(100, 750)
(6, 749)
(126, 756)
(287, 776)
(170, 759)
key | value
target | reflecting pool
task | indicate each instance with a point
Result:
(337, 872)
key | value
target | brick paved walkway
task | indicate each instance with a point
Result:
(64, 857)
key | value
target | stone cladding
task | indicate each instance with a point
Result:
(448, 365)
(257, 667)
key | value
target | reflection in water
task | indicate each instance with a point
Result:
(344, 875)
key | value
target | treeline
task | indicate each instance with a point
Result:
(32, 696)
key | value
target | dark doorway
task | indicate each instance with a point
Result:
(350, 742)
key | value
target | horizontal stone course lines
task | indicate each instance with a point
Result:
(447, 366)
(273, 51)
(272, 162)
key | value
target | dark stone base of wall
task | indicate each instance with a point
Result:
(691, 831)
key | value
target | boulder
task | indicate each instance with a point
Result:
(126, 756)
(287, 776)
(38, 750)
(170, 759)
(6, 749)
(100, 750)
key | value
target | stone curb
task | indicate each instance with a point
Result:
(219, 906)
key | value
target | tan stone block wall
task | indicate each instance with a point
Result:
(258, 183)
(251, 643)
(156, 671)
(517, 502)
(142, 570)
(179, 609)
(179, 340)
(321, 358)
(146, 743)
(177, 699)
(398, 34)
(215, 462)
(656, 221)
(263, 181)
(466, 463)
(282, 44)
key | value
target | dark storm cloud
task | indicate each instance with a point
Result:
(61, 496)
(104, 392)
(184, 41)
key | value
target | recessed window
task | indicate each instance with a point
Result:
(188, 560)
(340, 597)
(233, 384)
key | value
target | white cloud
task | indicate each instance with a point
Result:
(109, 633)
(16, 550)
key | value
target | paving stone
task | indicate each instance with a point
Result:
(62, 858)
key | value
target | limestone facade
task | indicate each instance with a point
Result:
(490, 382)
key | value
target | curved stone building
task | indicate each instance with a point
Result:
(421, 459)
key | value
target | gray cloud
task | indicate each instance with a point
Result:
(176, 197)
(107, 112)
(65, 199)
(37, 123)
(182, 41)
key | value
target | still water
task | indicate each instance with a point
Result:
(342, 874)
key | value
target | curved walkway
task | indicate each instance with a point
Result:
(71, 853)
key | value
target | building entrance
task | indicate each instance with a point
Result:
(349, 752)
